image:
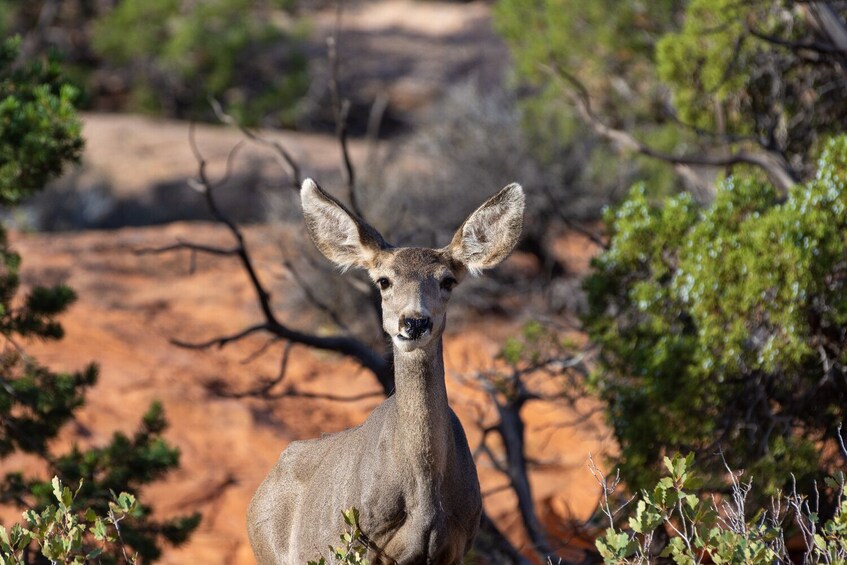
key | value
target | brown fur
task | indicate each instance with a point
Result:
(407, 468)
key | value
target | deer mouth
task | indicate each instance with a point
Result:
(413, 338)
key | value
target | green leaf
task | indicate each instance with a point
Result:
(99, 529)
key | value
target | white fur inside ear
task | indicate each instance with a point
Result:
(333, 230)
(491, 232)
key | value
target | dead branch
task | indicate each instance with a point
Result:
(220, 341)
(341, 109)
(781, 174)
(294, 392)
(282, 155)
(220, 388)
(558, 207)
(259, 351)
(827, 20)
(194, 247)
(312, 298)
(497, 490)
(348, 346)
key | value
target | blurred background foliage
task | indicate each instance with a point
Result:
(687, 76)
(170, 56)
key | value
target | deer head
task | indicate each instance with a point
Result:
(415, 283)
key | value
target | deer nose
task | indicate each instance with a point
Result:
(413, 328)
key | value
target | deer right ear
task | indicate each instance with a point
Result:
(491, 232)
(343, 238)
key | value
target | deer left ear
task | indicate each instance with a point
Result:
(491, 232)
(343, 238)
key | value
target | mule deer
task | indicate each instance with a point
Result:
(407, 468)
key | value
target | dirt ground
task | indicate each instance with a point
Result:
(131, 306)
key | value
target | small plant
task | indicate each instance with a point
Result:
(65, 534)
(717, 530)
(354, 548)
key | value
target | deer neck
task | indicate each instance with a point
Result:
(421, 401)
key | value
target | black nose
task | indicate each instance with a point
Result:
(416, 327)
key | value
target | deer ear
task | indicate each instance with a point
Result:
(491, 232)
(342, 237)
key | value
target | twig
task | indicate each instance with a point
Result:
(261, 350)
(341, 109)
(312, 298)
(841, 442)
(558, 208)
(497, 490)
(774, 165)
(180, 244)
(220, 388)
(282, 154)
(294, 392)
(220, 341)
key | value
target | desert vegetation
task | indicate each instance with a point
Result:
(678, 289)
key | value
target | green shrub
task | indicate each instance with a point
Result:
(64, 533)
(720, 530)
(180, 54)
(39, 129)
(723, 328)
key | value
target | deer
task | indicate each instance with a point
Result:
(407, 469)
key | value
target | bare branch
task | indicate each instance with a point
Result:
(181, 244)
(341, 109)
(349, 346)
(829, 23)
(220, 342)
(815, 46)
(774, 165)
(496, 490)
(260, 351)
(220, 388)
(314, 300)
(292, 391)
(558, 208)
(283, 156)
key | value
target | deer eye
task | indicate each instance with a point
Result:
(449, 283)
(383, 283)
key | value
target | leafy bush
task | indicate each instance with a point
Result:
(180, 53)
(40, 131)
(723, 328)
(65, 534)
(718, 530)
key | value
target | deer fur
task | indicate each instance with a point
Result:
(407, 469)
